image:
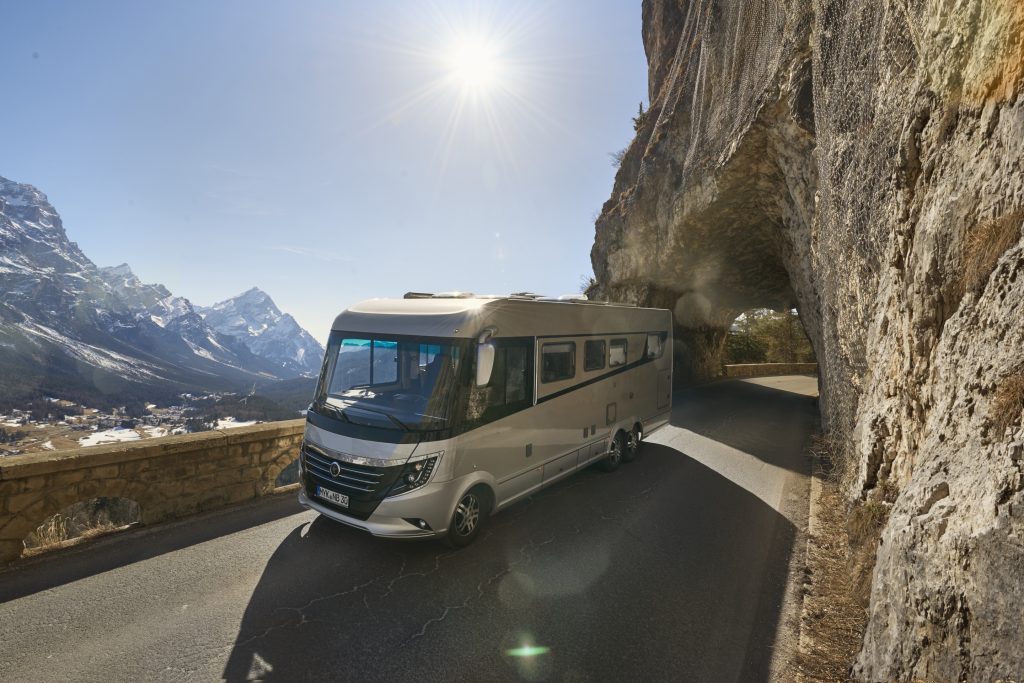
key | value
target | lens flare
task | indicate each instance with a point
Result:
(528, 651)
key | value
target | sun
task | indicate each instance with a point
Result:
(474, 64)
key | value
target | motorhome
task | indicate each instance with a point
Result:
(435, 410)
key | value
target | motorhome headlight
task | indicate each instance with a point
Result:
(416, 473)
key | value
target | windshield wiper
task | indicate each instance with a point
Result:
(338, 412)
(394, 420)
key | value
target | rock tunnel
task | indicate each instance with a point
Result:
(713, 253)
(708, 212)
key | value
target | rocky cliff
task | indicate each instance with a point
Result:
(860, 160)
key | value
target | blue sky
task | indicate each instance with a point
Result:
(326, 152)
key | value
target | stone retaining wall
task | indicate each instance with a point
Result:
(768, 369)
(168, 477)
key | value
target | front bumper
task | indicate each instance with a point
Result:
(432, 503)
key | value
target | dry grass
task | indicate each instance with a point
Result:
(80, 521)
(54, 533)
(864, 527)
(985, 244)
(840, 562)
(1009, 402)
(51, 532)
(833, 621)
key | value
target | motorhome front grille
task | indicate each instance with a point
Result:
(350, 477)
(365, 485)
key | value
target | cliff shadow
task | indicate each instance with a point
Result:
(771, 424)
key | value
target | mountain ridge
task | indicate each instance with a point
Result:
(70, 326)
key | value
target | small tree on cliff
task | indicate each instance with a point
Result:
(641, 116)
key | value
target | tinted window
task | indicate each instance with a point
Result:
(511, 385)
(617, 353)
(517, 375)
(558, 361)
(593, 354)
(656, 345)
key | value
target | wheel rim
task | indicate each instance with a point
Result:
(615, 454)
(634, 442)
(467, 514)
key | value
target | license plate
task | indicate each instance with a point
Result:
(333, 496)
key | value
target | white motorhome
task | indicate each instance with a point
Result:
(433, 411)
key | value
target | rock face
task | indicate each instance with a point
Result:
(860, 160)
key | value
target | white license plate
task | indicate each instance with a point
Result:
(333, 496)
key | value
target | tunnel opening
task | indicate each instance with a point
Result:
(763, 335)
(84, 519)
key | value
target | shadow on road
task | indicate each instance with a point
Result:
(771, 424)
(102, 555)
(663, 570)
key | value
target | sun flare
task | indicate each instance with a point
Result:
(474, 64)
(478, 78)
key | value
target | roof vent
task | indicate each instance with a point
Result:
(417, 295)
(452, 295)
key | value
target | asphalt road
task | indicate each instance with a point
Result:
(672, 568)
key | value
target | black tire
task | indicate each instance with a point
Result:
(468, 518)
(632, 448)
(611, 462)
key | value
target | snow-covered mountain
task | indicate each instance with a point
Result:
(253, 319)
(70, 328)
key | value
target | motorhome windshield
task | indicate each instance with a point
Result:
(392, 382)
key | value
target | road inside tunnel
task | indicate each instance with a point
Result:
(672, 568)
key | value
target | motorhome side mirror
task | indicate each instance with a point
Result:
(484, 363)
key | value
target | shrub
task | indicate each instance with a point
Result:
(1009, 402)
(985, 244)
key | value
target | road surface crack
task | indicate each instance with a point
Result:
(526, 558)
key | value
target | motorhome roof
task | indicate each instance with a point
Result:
(512, 316)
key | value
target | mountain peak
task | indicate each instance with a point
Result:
(253, 302)
(253, 293)
(254, 319)
(123, 270)
(16, 193)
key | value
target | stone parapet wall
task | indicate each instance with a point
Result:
(169, 477)
(769, 369)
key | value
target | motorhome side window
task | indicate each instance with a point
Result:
(558, 361)
(511, 385)
(617, 353)
(656, 345)
(593, 354)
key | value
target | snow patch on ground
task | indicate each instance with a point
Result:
(154, 432)
(200, 351)
(48, 445)
(230, 422)
(115, 435)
